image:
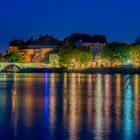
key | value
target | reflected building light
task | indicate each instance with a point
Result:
(14, 91)
(65, 98)
(90, 81)
(28, 109)
(79, 100)
(28, 83)
(65, 80)
(28, 101)
(46, 95)
(14, 97)
(98, 131)
(107, 104)
(46, 108)
(4, 76)
(52, 100)
(73, 116)
(3, 99)
(136, 102)
(46, 92)
(14, 108)
(90, 116)
(127, 109)
(79, 78)
(118, 89)
(15, 77)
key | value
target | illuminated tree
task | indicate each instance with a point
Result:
(73, 56)
(115, 52)
(14, 57)
(135, 54)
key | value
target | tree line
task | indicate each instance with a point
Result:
(121, 52)
(70, 54)
(41, 40)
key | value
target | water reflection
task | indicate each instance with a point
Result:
(14, 105)
(28, 102)
(136, 102)
(90, 102)
(99, 108)
(52, 102)
(127, 109)
(46, 106)
(107, 105)
(118, 101)
(73, 109)
(70, 106)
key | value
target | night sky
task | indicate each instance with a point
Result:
(116, 19)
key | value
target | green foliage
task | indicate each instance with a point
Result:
(115, 52)
(72, 55)
(46, 59)
(14, 57)
(135, 53)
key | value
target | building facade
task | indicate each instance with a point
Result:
(34, 53)
(94, 47)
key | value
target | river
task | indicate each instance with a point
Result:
(69, 106)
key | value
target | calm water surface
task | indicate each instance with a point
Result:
(69, 107)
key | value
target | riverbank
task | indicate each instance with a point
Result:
(108, 70)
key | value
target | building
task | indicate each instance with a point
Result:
(33, 53)
(27, 54)
(94, 47)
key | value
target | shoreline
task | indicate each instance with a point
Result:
(102, 70)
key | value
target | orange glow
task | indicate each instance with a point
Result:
(65, 98)
(14, 107)
(118, 84)
(98, 130)
(107, 103)
(52, 101)
(90, 101)
(28, 101)
(136, 101)
(73, 109)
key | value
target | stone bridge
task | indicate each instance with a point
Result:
(3, 65)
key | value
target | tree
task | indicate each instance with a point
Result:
(14, 57)
(73, 56)
(137, 40)
(18, 43)
(135, 54)
(1, 57)
(84, 38)
(41, 40)
(115, 52)
(98, 38)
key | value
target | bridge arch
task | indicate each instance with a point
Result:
(11, 67)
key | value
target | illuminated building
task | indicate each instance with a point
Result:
(94, 47)
(34, 53)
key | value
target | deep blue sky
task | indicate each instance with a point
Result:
(117, 19)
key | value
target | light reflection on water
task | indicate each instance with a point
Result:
(127, 109)
(69, 106)
(99, 108)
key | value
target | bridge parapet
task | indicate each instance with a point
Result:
(23, 65)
